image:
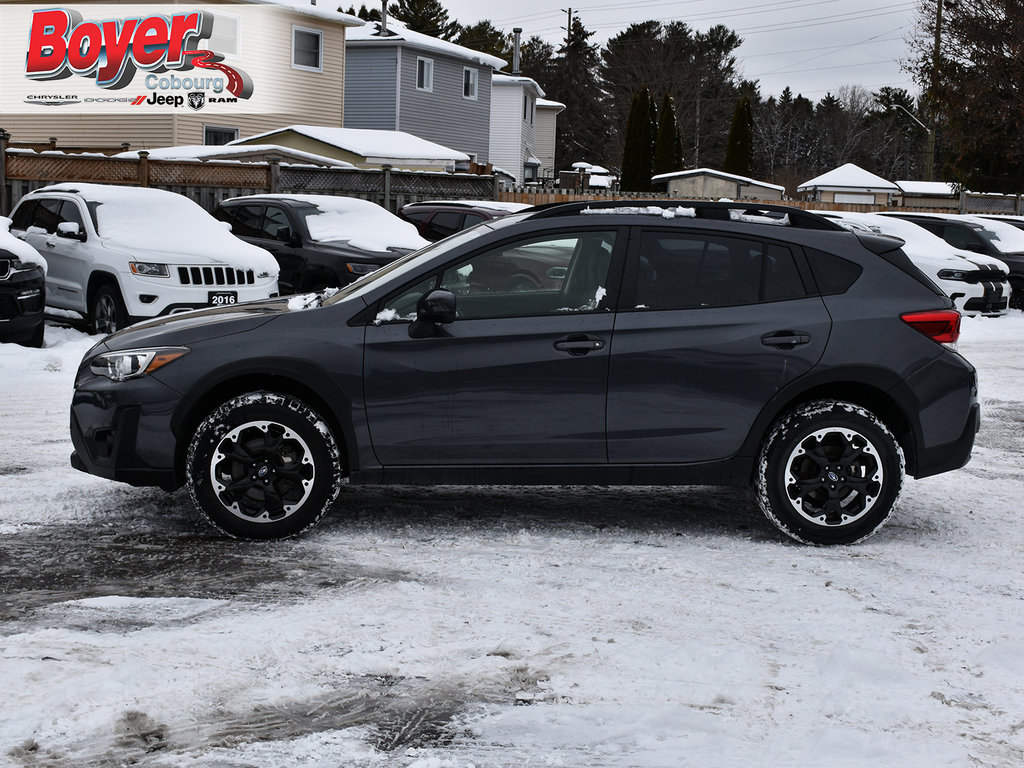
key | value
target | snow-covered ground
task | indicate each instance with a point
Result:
(448, 628)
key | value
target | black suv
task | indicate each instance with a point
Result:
(22, 291)
(672, 344)
(319, 241)
(436, 219)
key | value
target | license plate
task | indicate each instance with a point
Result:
(223, 298)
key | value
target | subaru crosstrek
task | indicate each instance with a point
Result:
(673, 343)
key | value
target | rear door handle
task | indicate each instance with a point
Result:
(785, 339)
(579, 344)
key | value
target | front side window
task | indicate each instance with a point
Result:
(275, 224)
(424, 74)
(689, 270)
(554, 274)
(469, 83)
(307, 49)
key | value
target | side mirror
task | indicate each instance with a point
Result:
(225, 224)
(70, 230)
(284, 235)
(432, 310)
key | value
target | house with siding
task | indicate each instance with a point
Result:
(400, 80)
(546, 131)
(514, 126)
(294, 50)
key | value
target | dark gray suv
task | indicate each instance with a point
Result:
(669, 343)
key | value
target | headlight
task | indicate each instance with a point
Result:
(952, 274)
(147, 269)
(361, 269)
(132, 363)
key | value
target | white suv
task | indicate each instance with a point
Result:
(120, 254)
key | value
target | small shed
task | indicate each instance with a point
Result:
(929, 194)
(363, 147)
(707, 183)
(849, 184)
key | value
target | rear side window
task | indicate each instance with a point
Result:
(443, 224)
(687, 270)
(832, 273)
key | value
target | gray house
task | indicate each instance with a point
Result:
(400, 80)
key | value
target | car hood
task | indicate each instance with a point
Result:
(240, 255)
(197, 325)
(345, 249)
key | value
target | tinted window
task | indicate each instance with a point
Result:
(22, 218)
(443, 224)
(416, 216)
(832, 274)
(959, 237)
(684, 270)
(47, 214)
(244, 219)
(69, 212)
(472, 219)
(274, 219)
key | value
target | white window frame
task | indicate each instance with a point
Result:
(428, 74)
(224, 128)
(470, 79)
(320, 37)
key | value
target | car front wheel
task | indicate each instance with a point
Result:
(263, 466)
(107, 314)
(830, 472)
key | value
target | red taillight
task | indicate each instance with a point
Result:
(941, 325)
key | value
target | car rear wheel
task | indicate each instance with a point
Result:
(107, 314)
(263, 466)
(830, 472)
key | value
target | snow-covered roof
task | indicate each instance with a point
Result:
(326, 12)
(849, 177)
(375, 146)
(549, 104)
(500, 79)
(717, 174)
(228, 152)
(927, 188)
(398, 33)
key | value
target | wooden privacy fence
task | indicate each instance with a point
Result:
(209, 182)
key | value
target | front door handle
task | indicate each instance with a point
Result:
(579, 344)
(785, 339)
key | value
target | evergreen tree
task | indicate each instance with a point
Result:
(486, 38)
(739, 154)
(536, 60)
(668, 145)
(583, 126)
(638, 156)
(426, 16)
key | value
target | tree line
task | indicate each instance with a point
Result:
(671, 92)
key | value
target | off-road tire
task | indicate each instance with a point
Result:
(830, 472)
(263, 466)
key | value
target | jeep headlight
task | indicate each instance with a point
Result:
(953, 274)
(132, 363)
(148, 269)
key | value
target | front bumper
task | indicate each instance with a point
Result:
(155, 297)
(123, 431)
(22, 296)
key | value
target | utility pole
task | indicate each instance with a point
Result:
(568, 24)
(929, 155)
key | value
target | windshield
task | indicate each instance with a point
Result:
(402, 266)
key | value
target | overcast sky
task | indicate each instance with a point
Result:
(813, 46)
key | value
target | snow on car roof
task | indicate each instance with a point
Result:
(145, 220)
(496, 205)
(18, 248)
(363, 224)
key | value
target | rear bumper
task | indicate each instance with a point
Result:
(943, 458)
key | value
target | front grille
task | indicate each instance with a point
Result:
(984, 274)
(8, 307)
(979, 304)
(32, 303)
(215, 276)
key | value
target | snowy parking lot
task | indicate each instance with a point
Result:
(458, 627)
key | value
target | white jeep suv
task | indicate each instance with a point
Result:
(121, 254)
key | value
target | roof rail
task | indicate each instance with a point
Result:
(703, 209)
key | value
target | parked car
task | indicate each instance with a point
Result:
(437, 219)
(320, 241)
(976, 283)
(1016, 221)
(692, 343)
(985, 236)
(118, 254)
(22, 289)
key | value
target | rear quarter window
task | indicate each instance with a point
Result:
(832, 273)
